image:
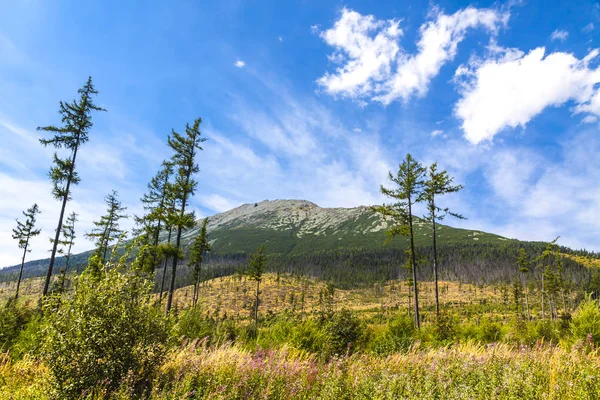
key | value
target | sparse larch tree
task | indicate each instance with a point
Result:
(67, 241)
(155, 203)
(409, 181)
(437, 184)
(255, 271)
(107, 230)
(186, 148)
(523, 269)
(23, 234)
(200, 246)
(76, 123)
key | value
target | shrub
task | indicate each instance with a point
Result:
(489, 331)
(585, 324)
(308, 336)
(109, 331)
(12, 319)
(345, 333)
(193, 325)
(397, 335)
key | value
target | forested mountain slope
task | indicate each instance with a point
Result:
(341, 244)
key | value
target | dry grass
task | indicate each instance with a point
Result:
(234, 295)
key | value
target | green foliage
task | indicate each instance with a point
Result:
(108, 331)
(346, 333)
(585, 323)
(107, 230)
(397, 336)
(13, 318)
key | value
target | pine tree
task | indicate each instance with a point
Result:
(409, 181)
(156, 209)
(523, 269)
(255, 271)
(23, 233)
(67, 242)
(107, 230)
(77, 121)
(186, 148)
(437, 184)
(200, 246)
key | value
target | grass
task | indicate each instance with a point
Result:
(466, 371)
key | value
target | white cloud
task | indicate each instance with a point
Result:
(588, 28)
(367, 46)
(559, 35)
(510, 88)
(240, 64)
(436, 132)
(589, 119)
(218, 203)
(280, 39)
(374, 66)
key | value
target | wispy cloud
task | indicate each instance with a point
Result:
(240, 64)
(559, 35)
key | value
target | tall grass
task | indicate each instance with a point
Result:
(467, 371)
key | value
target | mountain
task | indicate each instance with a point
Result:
(299, 226)
(342, 244)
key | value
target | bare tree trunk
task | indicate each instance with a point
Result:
(21, 270)
(60, 222)
(414, 267)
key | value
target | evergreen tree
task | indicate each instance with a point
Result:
(409, 181)
(523, 269)
(257, 265)
(77, 121)
(107, 230)
(23, 233)
(67, 242)
(437, 184)
(200, 246)
(185, 148)
(155, 203)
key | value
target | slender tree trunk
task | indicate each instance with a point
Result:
(62, 285)
(543, 314)
(176, 256)
(414, 267)
(435, 270)
(527, 303)
(162, 285)
(21, 270)
(60, 221)
(256, 306)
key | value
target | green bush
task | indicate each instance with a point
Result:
(585, 324)
(308, 335)
(489, 331)
(13, 318)
(193, 325)
(109, 331)
(397, 335)
(346, 333)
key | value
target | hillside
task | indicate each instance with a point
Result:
(345, 245)
(292, 227)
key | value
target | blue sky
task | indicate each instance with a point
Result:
(312, 100)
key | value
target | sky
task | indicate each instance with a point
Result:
(312, 100)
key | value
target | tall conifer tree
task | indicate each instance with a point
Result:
(76, 119)
(200, 246)
(67, 242)
(107, 230)
(23, 233)
(255, 271)
(437, 184)
(186, 148)
(409, 181)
